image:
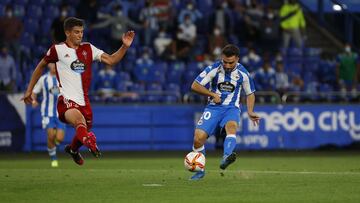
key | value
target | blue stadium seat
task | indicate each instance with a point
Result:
(173, 93)
(37, 2)
(175, 71)
(45, 26)
(31, 25)
(243, 51)
(311, 52)
(27, 39)
(124, 76)
(34, 12)
(51, 12)
(5, 2)
(157, 75)
(294, 67)
(154, 93)
(19, 10)
(2, 10)
(54, 2)
(189, 76)
(20, 2)
(161, 65)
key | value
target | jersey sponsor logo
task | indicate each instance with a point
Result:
(78, 66)
(226, 87)
(66, 56)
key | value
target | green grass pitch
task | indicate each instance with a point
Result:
(160, 177)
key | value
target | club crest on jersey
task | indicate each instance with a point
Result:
(84, 53)
(54, 90)
(78, 66)
(226, 87)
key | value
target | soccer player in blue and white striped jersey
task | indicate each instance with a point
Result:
(226, 78)
(49, 87)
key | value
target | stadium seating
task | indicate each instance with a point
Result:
(38, 15)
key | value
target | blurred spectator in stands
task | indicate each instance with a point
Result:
(269, 32)
(166, 16)
(7, 70)
(105, 83)
(118, 23)
(292, 23)
(297, 83)
(11, 29)
(265, 78)
(57, 26)
(216, 42)
(162, 42)
(88, 10)
(221, 18)
(281, 79)
(253, 18)
(347, 69)
(190, 10)
(185, 39)
(252, 60)
(148, 16)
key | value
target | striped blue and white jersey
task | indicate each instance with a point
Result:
(49, 86)
(227, 85)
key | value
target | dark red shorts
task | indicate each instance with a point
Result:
(65, 104)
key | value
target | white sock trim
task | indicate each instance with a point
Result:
(198, 149)
(52, 152)
(231, 135)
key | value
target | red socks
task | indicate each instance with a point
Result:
(81, 132)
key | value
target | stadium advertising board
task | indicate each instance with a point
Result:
(301, 127)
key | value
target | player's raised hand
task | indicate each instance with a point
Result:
(27, 98)
(254, 117)
(128, 37)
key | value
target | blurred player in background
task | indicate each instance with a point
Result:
(49, 87)
(73, 60)
(226, 77)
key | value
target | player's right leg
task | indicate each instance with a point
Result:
(199, 146)
(82, 136)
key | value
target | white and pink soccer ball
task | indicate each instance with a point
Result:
(194, 161)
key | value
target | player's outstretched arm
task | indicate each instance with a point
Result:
(127, 39)
(198, 88)
(250, 103)
(34, 78)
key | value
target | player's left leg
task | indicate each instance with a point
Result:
(229, 145)
(230, 120)
(51, 147)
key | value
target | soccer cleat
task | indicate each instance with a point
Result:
(54, 163)
(75, 155)
(90, 142)
(198, 175)
(228, 160)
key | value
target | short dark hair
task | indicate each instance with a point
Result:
(231, 50)
(71, 22)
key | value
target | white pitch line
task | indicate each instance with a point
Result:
(152, 185)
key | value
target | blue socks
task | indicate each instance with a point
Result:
(229, 144)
